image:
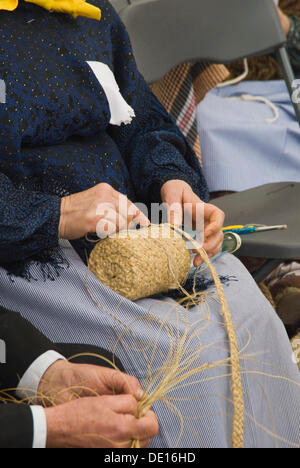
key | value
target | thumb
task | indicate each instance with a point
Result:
(121, 383)
(122, 404)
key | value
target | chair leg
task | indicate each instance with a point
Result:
(289, 76)
(261, 274)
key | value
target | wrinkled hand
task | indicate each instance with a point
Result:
(100, 210)
(180, 198)
(64, 381)
(101, 422)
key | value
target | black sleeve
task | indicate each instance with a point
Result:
(16, 426)
(28, 222)
(23, 344)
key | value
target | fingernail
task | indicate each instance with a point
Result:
(144, 412)
(139, 394)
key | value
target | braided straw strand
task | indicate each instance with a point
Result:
(237, 386)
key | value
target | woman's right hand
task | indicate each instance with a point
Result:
(100, 210)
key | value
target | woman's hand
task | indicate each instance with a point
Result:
(100, 210)
(180, 198)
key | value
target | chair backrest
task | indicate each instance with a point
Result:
(166, 33)
(119, 4)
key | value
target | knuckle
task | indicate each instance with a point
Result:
(103, 188)
(125, 427)
(131, 402)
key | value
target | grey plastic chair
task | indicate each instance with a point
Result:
(271, 204)
(166, 33)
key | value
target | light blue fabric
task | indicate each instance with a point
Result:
(64, 311)
(239, 149)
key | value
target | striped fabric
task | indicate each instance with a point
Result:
(198, 412)
(181, 90)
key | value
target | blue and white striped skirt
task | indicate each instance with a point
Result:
(198, 413)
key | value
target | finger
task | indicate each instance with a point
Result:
(122, 404)
(214, 220)
(193, 208)
(175, 214)
(105, 228)
(106, 222)
(198, 261)
(214, 244)
(173, 200)
(147, 427)
(212, 247)
(121, 383)
(141, 220)
(130, 212)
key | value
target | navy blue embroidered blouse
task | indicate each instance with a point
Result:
(55, 136)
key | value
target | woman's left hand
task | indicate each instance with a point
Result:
(180, 198)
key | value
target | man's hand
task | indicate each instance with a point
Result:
(64, 381)
(178, 195)
(100, 210)
(102, 422)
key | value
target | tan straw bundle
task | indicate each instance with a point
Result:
(142, 263)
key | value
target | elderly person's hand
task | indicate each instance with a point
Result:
(100, 210)
(93, 407)
(179, 197)
(65, 381)
(285, 22)
(101, 422)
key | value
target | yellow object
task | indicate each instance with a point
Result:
(236, 227)
(9, 5)
(73, 7)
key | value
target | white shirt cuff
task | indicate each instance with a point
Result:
(30, 381)
(39, 427)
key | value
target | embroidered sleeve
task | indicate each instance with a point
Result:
(28, 222)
